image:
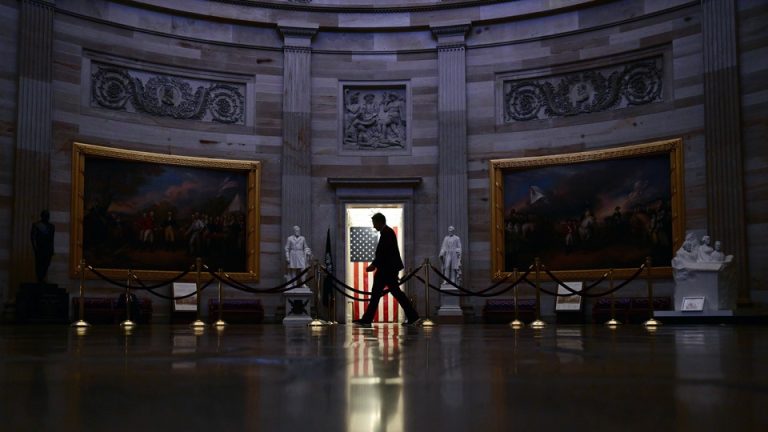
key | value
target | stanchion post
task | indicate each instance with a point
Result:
(652, 322)
(220, 323)
(516, 323)
(198, 324)
(316, 322)
(538, 323)
(613, 322)
(81, 323)
(128, 324)
(426, 322)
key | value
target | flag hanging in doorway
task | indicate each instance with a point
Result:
(362, 250)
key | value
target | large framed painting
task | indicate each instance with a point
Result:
(584, 213)
(155, 214)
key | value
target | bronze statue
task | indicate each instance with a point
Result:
(42, 243)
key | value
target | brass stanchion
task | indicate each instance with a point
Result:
(426, 322)
(198, 324)
(317, 322)
(516, 323)
(81, 323)
(538, 323)
(613, 322)
(220, 324)
(128, 324)
(652, 322)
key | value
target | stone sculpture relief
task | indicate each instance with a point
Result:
(123, 89)
(602, 89)
(698, 255)
(374, 118)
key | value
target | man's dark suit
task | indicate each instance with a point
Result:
(388, 263)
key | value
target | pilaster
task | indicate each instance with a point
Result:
(296, 203)
(33, 133)
(722, 120)
(452, 207)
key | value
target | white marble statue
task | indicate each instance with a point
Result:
(688, 252)
(450, 256)
(700, 270)
(704, 252)
(297, 253)
(717, 255)
(698, 255)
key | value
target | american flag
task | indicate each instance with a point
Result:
(362, 250)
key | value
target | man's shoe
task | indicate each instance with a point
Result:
(412, 322)
(361, 323)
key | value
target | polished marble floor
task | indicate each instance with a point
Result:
(386, 378)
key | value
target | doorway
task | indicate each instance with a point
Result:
(360, 239)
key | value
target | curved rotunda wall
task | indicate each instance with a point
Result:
(388, 53)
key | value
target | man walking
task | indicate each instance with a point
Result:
(386, 263)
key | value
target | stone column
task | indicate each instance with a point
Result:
(34, 125)
(296, 198)
(722, 122)
(452, 206)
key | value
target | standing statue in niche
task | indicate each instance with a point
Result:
(297, 254)
(42, 235)
(450, 256)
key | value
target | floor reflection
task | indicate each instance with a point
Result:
(374, 378)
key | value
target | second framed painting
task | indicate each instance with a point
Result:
(155, 214)
(584, 213)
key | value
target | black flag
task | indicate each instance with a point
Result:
(328, 283)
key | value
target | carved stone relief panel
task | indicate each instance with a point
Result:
(608, 88)
(374, 117)
(127, 89)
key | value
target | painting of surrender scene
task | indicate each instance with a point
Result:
(584, 213)
(152, 212)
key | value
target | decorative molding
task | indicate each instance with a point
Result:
(615, 87)
(374, 117)
(451, 30)
(120, 88)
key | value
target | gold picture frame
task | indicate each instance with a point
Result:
(154, 214)
(553, 207)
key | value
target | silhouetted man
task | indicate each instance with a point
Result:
(387, 263)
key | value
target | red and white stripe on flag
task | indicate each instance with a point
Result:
(363, 281)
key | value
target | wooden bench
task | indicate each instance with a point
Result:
(236, 311)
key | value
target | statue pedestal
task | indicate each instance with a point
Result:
(450, 309)
(42, 303)
(712, 280)
(298, 304)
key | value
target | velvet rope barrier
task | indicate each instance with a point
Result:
(585, 294)
(163, 296)
(483, 291)
(227, 279)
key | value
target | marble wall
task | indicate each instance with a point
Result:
(365, 48)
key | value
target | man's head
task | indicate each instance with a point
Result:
(45, 216)
(379, 220)
(296, 230)
(451, 230)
